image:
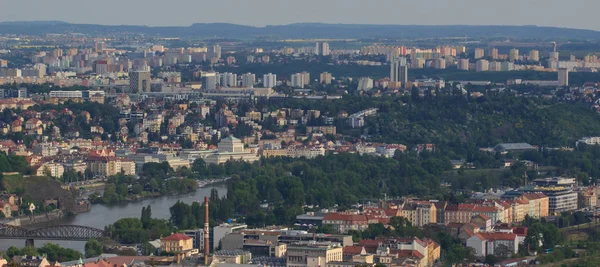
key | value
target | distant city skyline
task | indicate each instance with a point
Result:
(276, 12)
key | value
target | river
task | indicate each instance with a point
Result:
(102, 215)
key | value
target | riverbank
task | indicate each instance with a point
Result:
(36, 219)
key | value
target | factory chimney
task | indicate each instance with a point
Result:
(206, 245)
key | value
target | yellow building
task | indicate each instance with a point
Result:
(419, 213)
(267, 153)
(176, 243)
(538, 204)
(253, 115)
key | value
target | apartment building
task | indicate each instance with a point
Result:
(344, 222)
(110, 165)
(419, 213)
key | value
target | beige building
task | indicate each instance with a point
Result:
(463, 64)
(176, 243)
(109, 166)
(419, 213)
(253, 115)
(313, 254)
(54, 169)
(325, 78)
(513, 54)
(534, 55)
(479, 53)
(321, 129)
(493, 53)
(231, 148)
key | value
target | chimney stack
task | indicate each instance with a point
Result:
(206, 244)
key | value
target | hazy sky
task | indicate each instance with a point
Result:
(563, 13)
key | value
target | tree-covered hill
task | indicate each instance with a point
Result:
(461, 123)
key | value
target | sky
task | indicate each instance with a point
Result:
(561, 13)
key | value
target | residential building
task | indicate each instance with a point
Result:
(300, 80)
(322, 49)
(500, 244)
(54, 169)
(482, 65)
(479, 53)
(269, 80)
(344, 222)
(461, 213)
(419, 213)
(513, 55)
(321, 129)
(398, 70)
(248, 80)
(534, 55)
(110, 165)
(365, 84)
(493, 54)
(463, 64)
(538, 205)
(176, 243)
(31, 261)
(418, 63)
(325, 78)
(563, 77)
(439, 63)
(210, 80)
(228, 79)
(594, 140)
(313, 254)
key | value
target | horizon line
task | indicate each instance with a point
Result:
(295, 23)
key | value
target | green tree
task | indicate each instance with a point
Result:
(93, 248)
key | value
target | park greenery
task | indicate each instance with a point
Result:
(139, 230)
(156, 179)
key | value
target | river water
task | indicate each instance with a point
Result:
(102, 215)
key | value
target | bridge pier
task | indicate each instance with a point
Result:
(29, 242)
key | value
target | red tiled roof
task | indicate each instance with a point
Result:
(466, 207)
(534, 196)
(353, 250)
(127, 260)
(391, 212)
(101, 263)
(483, 216)
(520, 231)
(407, 253)
(369, 243)
(485, 209)
(177, 237)
(496, 236)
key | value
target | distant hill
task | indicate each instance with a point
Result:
(302, 30)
